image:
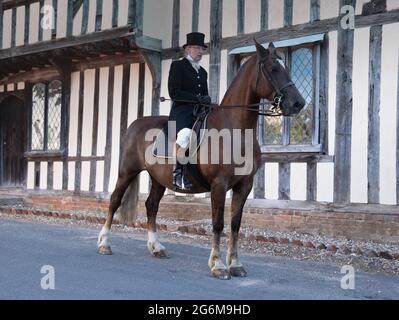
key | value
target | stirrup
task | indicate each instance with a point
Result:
(177, 177)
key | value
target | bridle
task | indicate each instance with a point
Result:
(278, 94)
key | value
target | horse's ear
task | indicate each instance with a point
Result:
(261, 51)
(272, 48)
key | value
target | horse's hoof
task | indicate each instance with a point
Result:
(106, 250)
(237, 272)
(161, 254)
(221, 274)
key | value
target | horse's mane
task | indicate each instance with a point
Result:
(241, 70)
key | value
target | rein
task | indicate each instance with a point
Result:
(274, 111)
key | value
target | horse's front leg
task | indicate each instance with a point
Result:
(218, 198)
(240, 194)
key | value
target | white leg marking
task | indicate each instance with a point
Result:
(153, 243)
(103, 237)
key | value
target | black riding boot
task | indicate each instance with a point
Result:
(178, 176)
(186, 183)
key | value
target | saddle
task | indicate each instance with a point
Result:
(164, 145)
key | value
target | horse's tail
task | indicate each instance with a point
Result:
(129, 206)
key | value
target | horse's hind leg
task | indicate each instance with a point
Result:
(121, 185)
(240, 194)
(152, 205)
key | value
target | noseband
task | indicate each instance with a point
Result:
(278, 94)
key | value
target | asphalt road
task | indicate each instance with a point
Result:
(131, 273)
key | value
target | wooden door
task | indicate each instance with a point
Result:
(12, 142)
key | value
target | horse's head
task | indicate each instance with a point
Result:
(274, 83)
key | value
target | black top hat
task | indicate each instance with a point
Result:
(195, 39)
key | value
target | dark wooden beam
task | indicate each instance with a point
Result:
(264, 15)
(115, 12)
(314, 10)
(311, 181)
(323, 94)
(67, 42)
(70, 16)
(66, 97)
(99, 14)
(195, 16)
(1, 24)
(41, 15)
(54, 29)
(27, 24)
(50, 174)
(76, 6)
(93, 163)
(214, 48)
(176, 23)
(259, 183)
(344, 102)
(300, 30)
(124, 103)
(85, 16)
(284, 170)
(13, 26)
(240, 16)
(108, 139)
(50, 73)
(140, 98)
(78, 162)
(9, 4)
(154, 63)
(288, 12)
(373, 155)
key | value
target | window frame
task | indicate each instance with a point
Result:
(45, 153)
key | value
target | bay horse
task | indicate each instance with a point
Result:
(263, 76)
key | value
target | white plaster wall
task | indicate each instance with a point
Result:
(164, 107)
(276, 14)
(99, 176)
(360, 116)
(116, 119)
(43, 175)
(19, 38)
(71, 175)
(301, 11)
(325, 182)
(229, 22)
(204, 18)
(34, 22)
(223, 75)
(298, 181)
(392, 4)
(186, 13)
(271, 178)
(85, 176)
(158, 17)
(388, 109)
(102, 111)
(57, 175)
(73, 114)
(252, 16)
(30, 178)
(7, 17)
(329, 9)
(88, 106)
(133, 93)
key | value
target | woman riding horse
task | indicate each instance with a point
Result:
(262, 76)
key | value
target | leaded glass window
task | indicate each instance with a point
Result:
(46, 116)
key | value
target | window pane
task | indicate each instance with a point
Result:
(38, 96)
(273, 130)
(302, 76)
(54, 115)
